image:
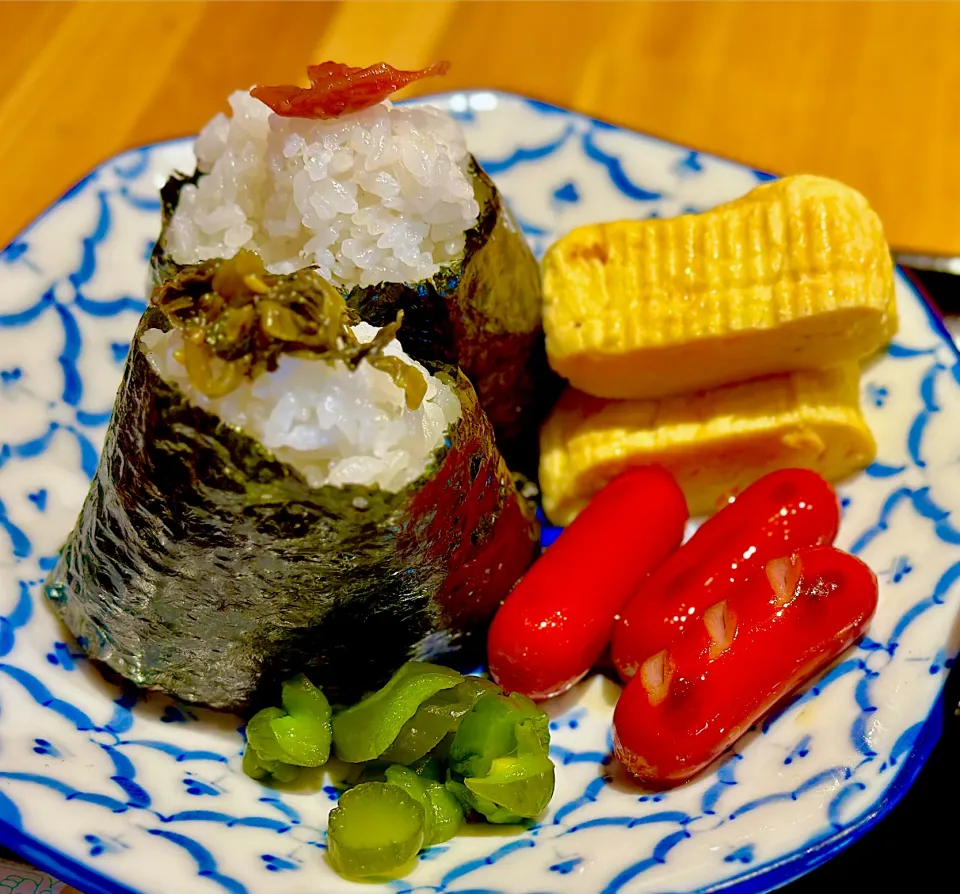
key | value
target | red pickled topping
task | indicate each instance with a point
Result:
(337, 89)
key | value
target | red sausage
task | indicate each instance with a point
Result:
(777, 515)
(689, 702)
(557, 621)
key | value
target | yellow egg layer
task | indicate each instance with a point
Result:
(714, 442)
(794, 275)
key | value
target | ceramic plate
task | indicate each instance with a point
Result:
(116, 794)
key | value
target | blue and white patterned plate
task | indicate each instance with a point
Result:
(116, 794)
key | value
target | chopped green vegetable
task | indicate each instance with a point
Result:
(539, 721)
(418, 754)
(260, 735)
(374, 829)
(416, 788)
(447, 812)
(500, 759)
(485, 733)
(435, 718)
(522, 783)
(299, 735)
(428, 768)
(407, 779)
(257, 767)
(488, 731)
(304, 735)
(443, 814)
(366, 730)
(491, 812)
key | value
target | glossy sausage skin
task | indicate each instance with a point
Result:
(777, 515)
(557, 621)
(689, 702)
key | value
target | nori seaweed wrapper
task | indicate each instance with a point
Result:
(481, 313)
(203, 566)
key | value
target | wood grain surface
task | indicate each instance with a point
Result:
(865, 92)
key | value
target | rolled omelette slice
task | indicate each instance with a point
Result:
(794, 275)
(715, 442)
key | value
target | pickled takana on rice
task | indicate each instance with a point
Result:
(274, 470)
(386, 203)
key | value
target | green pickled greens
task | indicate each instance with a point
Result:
(448, 813)
(416, 756)
(279, 741)
(499, 759)
(491, 812)
(489, 731)
(428, 768)
(238, 320)
(436, 718)
(375, 829)
(262, 757)
(366, 730)
(443, 814)
(521, 783)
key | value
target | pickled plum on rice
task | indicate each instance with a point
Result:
(337, 89)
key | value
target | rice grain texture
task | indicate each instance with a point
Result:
(334, 426)
(382, 195)
(203, 565)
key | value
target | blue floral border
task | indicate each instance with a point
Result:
(761, 878)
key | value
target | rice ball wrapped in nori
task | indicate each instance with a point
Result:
(380, 524)
(388, 204)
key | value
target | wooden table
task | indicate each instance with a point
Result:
(865, 92)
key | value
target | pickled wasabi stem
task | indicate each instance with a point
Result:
(522, 783)
(435, 719)
(443, 813)
(492, 813)
(489, 731)
(375, 829)
(499, 760)
(298, 735)
(365, 731)
(262, 756)
(416, 787)
(428, 768)
(448, 812)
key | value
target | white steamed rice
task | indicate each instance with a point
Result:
(375, 196)
(334, 426)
